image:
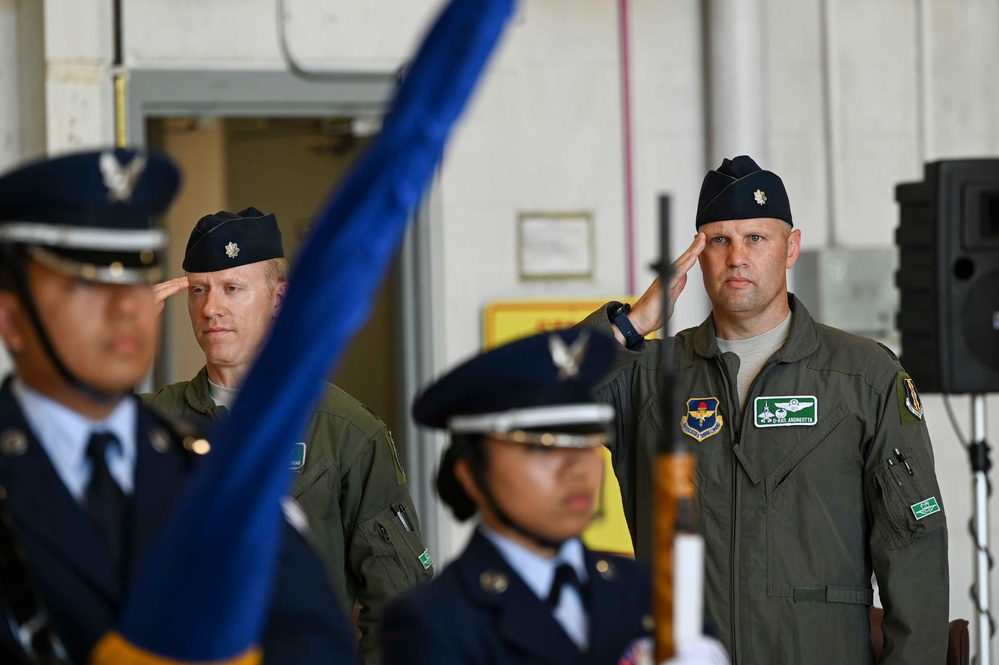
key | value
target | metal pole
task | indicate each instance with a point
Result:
(980, 465)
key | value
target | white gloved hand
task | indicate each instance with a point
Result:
(701, 651)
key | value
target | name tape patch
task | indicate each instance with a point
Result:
(786, 411)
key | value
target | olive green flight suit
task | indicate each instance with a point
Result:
(353, 491)
(797, 508)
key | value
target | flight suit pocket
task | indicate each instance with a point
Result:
(311, 478)
(397, 545)
(905, 500)
(813, 508)
(792, 461)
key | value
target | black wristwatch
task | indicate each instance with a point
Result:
(617, 312)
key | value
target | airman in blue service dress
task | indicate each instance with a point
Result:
(89, 472)
(525, 590)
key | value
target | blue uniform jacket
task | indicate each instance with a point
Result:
(77, 584)
(479, 611)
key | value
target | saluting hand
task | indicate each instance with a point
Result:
(164, 290)
(647, 314)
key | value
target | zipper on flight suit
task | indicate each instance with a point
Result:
(733, 548)
(738, 425)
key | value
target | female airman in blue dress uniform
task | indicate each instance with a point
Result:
(524, 455)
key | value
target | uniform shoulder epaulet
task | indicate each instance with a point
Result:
(340, 403)
(176, 431)
(369, 410)
(889, 352)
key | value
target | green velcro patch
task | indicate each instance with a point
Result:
(910, 405)
(298, 457)
(809, 594)
(425, 559)
(925, 508)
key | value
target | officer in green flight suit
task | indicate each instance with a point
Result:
(350, 483)
(814, 464)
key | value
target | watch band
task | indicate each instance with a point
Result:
(618, 314)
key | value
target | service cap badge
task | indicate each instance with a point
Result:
(121, 180)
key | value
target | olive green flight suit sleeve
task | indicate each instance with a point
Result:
(908, 530)
(385, 549)
(636, 426)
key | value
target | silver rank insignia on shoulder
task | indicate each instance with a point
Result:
(493, 581)
(232, 250)
(121, 180)
(760, 196)
(568, 357)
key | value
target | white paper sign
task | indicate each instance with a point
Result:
(556, 245)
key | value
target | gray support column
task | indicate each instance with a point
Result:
(734, 57)
(22, 82)
(22, 94)
(78, 78)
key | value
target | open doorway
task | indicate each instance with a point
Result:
(286, 166)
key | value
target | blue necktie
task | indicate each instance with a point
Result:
(104, 502)
(564, 575)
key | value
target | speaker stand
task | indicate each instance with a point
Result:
(978, 452)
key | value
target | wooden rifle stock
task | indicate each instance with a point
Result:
(674, 496)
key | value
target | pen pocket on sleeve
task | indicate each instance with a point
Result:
(906, 502)
(399, 547)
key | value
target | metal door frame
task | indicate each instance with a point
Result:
(160, 93)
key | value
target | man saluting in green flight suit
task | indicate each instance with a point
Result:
(350, 483)
(814, 466)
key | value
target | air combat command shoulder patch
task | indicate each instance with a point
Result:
(910, 406)
(702, 419)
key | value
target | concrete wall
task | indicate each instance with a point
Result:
(857, 94)
(79, 104)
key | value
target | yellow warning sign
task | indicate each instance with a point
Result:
(507, 320)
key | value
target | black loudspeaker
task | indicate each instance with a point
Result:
(948, 276)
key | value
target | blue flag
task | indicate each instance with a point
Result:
(203, 591)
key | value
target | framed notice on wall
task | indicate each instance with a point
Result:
(555, 245)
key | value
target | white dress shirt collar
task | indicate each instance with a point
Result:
(63, 434)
